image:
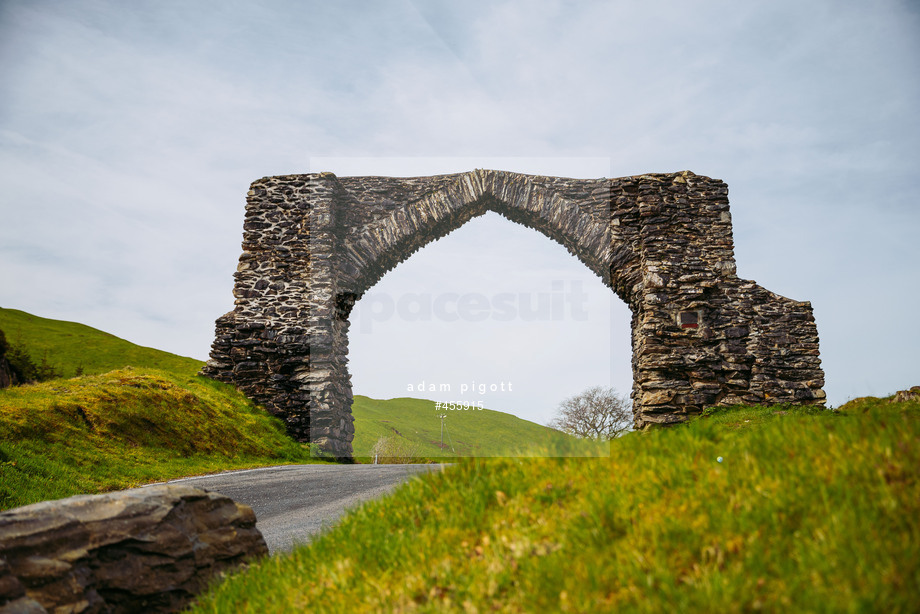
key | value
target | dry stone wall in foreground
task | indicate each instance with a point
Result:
(314, 244)
(148, 549)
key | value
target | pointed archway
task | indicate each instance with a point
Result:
(313, 244)
(491, 314)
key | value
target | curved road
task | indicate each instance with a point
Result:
(294, 502)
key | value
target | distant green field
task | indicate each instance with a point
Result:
(415, 424)
(69, 346)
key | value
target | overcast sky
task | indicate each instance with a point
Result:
(130, 131)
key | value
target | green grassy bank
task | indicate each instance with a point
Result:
(129, 427)
(137, 415)
(808, 510)
(70, 347)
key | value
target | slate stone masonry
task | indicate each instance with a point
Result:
(149, 549)
(314, 244)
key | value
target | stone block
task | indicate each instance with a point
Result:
(147, 549)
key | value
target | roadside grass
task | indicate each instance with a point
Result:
(809, 510)
(414, 425)
(129, 427)
(69, 347)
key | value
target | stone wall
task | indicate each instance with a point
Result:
(143, 550)
(314, 244)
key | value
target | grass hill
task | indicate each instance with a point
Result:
(749, 508)
(411, 429)
(410, 426)
(137, 415)
(69, 346)
(129, 427)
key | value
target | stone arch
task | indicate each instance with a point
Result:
(373, 248)
(314, 244)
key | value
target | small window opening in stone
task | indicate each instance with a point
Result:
(689, 319)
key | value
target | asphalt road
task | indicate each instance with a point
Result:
(294, 502)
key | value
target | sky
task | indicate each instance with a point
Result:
(130, 131)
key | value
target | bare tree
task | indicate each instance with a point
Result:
(596, 413)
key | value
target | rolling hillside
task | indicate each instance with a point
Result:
(415, 425)
(410, 425)
(136, 415)
(69, 346)
(129, 427)
(139, 414)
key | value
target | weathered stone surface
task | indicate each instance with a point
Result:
(907, 395)
(143, 550)
(314, 244)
